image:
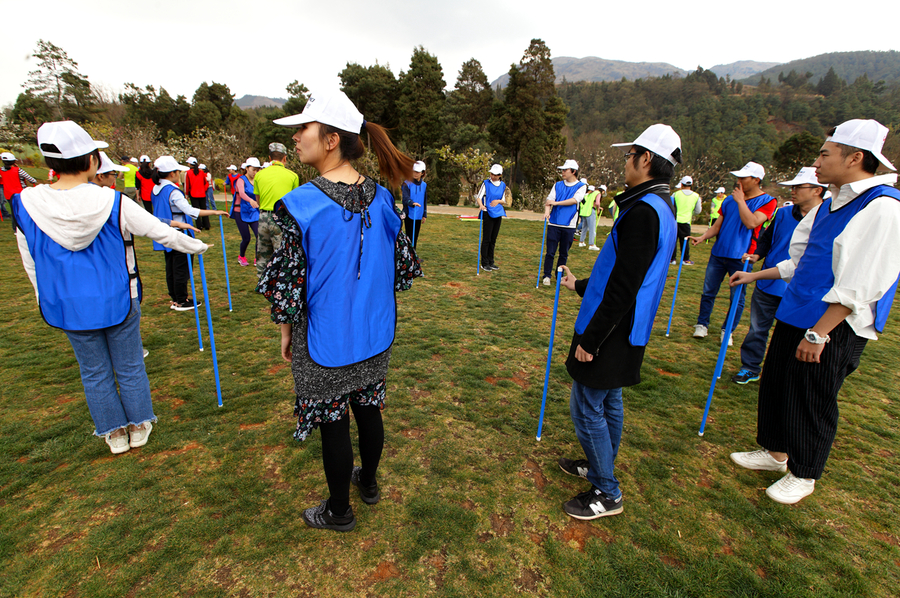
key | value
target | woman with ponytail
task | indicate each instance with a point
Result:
(332, 283)
(145, 183)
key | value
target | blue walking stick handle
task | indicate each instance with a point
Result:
(677, 280)
(722, 350)
(541, 257)
(559, 272)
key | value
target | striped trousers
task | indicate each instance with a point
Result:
(798, 409)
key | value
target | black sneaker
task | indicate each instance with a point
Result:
(321, 517)
(494, 267)
(369, 494)
(185, 306)
(592, 505)
(577, 468)
(745, 376)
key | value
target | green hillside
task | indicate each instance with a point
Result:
(878, 66)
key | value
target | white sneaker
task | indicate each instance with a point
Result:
(139, 437)
(146, 353)
(546, 281)
(759, 461)
(790, 489)
(730, 339)
(581, 244)
(118, 444)
(700, 331)
(594, 248)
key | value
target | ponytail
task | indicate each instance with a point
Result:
(156, 176)
(394, 165)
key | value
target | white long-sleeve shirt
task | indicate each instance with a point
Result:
(866, 256)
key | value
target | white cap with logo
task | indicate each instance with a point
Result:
(332, 108)
(687, 181)
(7, 157)
(419, 166)
(107, 165)
(751, 169)
(660, 139)
(168, 164)
(254, 162)
(863, 134)
(570, 164)
(806, 176)
(70, 140)
(496, 169)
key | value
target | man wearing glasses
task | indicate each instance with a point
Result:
(561, 214)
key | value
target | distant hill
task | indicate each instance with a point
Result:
(249, 101)
(592, 68)
(742, 68)
(879, 66)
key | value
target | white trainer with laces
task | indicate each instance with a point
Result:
(139, 436)
(546, 281)
(117, 444)
(790, 489)
(700, 331)
(759, 460)
(730, 338)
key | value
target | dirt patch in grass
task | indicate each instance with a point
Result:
(671, 561)
(886, 538)
(502, 525)
(529, 580)
(517, 378)
(65, 399)
(193, 446)
(244, 427)
(414, 433)
(277, 368)
(535, 473)
(576, 533)
(384, 571)
(665, 373)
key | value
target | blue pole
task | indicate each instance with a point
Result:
(480, 228)
(559, 271)
(212, 336)
(225, 258)
(721, 361)
(541, 259)
(414, 234)
(677, 280)
(194, 295)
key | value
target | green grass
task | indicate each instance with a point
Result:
(470, 500)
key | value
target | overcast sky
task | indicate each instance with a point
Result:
(258, 47)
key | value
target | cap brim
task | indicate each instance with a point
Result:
(741, 173)
(294, 120)
(629, 144)
(884, 161)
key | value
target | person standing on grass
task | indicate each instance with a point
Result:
(687, 204)
(842, 271)
(715, 204)
(12, 180)
(332, 285)
(76, 244)
(195, 186)
(561, 212)
(588, 213)
(271, 184)
(246, 200)
(742, 215)
(619, 303)
(493, 196)
(773, 245)
(415, 202)
(144, 181)
(130, 185)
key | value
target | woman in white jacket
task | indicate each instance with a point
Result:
(76, 243)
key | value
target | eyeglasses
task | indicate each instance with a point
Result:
(804, 187)
(629, 154)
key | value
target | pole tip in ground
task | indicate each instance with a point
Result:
(700, 434)
(539, 438)
(201, 348)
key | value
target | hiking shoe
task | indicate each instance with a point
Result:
(242, 261)
(730, 338)
(546, 281)
(759, 460)
(369, 494)
(594, 248)
(700, 331)
(688, 263)
(592, 505)
(744, 376)
(117, 444)
(578, 468)
(321, 517)
(790, 489)
(186, 306)
(139, 437)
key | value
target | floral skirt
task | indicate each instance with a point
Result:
(312, 412)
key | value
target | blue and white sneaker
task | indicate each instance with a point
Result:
(744, 376)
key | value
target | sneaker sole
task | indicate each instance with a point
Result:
(747, 381)
(785, 502)
(597, 516)
(781, 469)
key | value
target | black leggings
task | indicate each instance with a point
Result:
(337, 453)
(244, 229)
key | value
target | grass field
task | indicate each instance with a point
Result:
(471, 501)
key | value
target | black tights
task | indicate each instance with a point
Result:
(337, 453)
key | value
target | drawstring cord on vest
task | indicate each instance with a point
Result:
(365, 219)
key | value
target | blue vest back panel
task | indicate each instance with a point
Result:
(352, 312)
(416, 195)
(784, 223)
(734, 238)
(248, 213)
(565, 215)
(491, 193)
(162, 209)
(802, 304)
(80, 290)
(651, 290)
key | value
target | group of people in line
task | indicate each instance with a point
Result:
(335, 254)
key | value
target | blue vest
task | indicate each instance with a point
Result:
(162, 208)
(802, 304)
(565, 215)
(491, 193)
(734, 238)
(416, 195)
(784, 223)
(352, 312)
(248, 212)
(88, 289)
(651, 290)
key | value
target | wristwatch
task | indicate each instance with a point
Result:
(812, 337)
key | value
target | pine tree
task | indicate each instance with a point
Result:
(57, 81)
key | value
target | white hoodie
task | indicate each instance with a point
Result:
(74, 217)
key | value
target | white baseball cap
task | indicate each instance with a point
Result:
(603, 187)
(71, 140)
(687, 180)
(192, 160)
(243, 165)
(419, 166)
(750, 169)
(660, 139)
(863, 134)
(332, 108)
(232, 167)
(107, 165)
(254, 162)
(720, 190)
(591, 188)
(806, 176)
(203, 167)
(168, 164)
(145, 158)
(7, 156)
(496, 169)
(570, 164)
(134, 160)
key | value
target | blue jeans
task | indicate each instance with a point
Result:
(762, 313)
(590, 227)
(598, 415)
(111, 355)
(557, 237)
(716, 270)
